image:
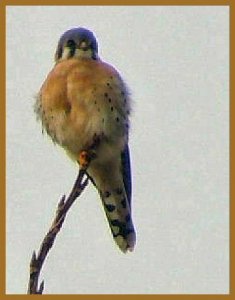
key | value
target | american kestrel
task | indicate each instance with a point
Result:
(84, 106)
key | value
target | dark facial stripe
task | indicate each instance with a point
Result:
(94, 56)
(72, 51)
(72, 47)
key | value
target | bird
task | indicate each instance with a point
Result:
(84, 105)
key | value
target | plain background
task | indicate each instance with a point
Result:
(176, 63)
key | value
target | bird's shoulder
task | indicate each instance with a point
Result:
(83, 66)
(77, 75)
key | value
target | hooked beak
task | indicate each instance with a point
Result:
(83, 45)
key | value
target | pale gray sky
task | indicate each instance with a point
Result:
(176, 63)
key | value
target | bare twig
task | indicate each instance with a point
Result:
(62, 209)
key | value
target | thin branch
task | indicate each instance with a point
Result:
(48, 241)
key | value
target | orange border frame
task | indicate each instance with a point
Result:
(5, 3)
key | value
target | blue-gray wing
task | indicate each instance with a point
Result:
(126, 172)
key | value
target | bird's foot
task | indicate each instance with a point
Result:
(85, 157)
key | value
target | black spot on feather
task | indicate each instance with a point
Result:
(110, 207)
(107, 194)
(123, 230)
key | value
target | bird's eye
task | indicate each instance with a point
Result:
(70, 44)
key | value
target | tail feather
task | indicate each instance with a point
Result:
(118, 213)
(115, 191)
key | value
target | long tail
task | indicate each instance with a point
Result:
(118, 213)
(116, 205)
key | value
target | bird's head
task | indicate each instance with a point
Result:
(77, 43)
